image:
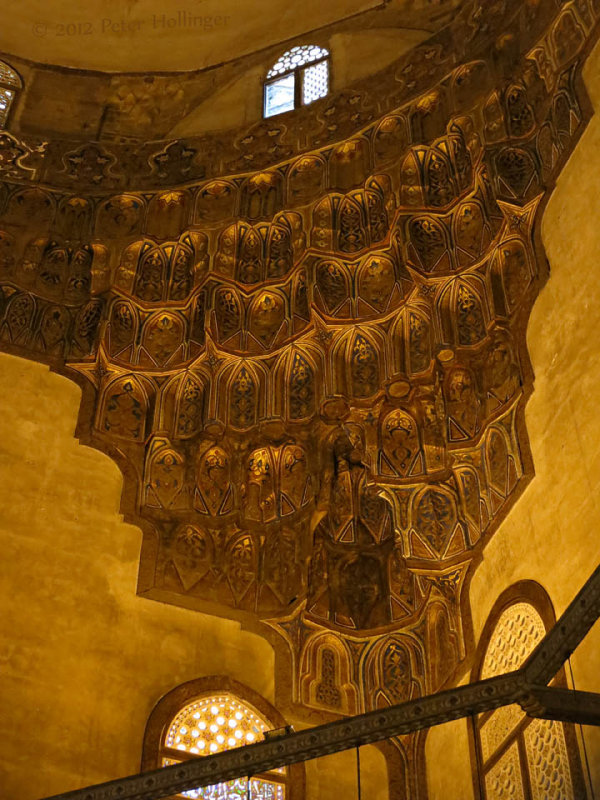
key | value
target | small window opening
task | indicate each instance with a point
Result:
(211, 724)
(10, 84)
(300, 77)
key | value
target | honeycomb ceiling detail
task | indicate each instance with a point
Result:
(313, 376)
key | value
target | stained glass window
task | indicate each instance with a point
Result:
(10, 83)
(210, 725)
(300, 77)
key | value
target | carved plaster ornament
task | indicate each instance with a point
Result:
(311, 363)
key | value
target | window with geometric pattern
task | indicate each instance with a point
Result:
(519, 757)
(211, 724)
(10, 85)
(299, 77)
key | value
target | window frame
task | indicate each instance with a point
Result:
(298, 73)
(534, 595)
(16, 88)
(167, 708)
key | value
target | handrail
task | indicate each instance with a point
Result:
(566, 634)
(525, 686)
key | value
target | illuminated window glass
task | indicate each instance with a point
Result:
(297, 57)
(210, 725)
(10, 83)
(280, 96)
(316, 82)
(300, 77)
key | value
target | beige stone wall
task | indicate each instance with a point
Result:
(151, 35)
(83, 660)
(334, 777)
(448, 762)
(552, 534)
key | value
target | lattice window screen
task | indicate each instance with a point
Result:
(519, 629)
(215, 723)
(10, 83)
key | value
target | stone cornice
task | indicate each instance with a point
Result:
(423, 75)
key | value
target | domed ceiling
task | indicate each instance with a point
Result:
(153, 36)
(304, 341)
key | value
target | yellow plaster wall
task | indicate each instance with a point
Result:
(238, 103)
(335, 777)
(82, 659)
(355, 55)
(449, 775)
(552, 535)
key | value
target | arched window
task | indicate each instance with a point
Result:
(519, 756)
(299, 77)
(208, 716)
(10, 84)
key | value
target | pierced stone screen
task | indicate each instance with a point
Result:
(280, 90)
(213, 724)
(297, 57)
(315, 83)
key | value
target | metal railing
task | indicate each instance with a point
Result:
(526, 686)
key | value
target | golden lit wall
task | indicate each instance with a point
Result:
(551, 535)
(82, 659)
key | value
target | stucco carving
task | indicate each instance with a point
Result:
(313, 375)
